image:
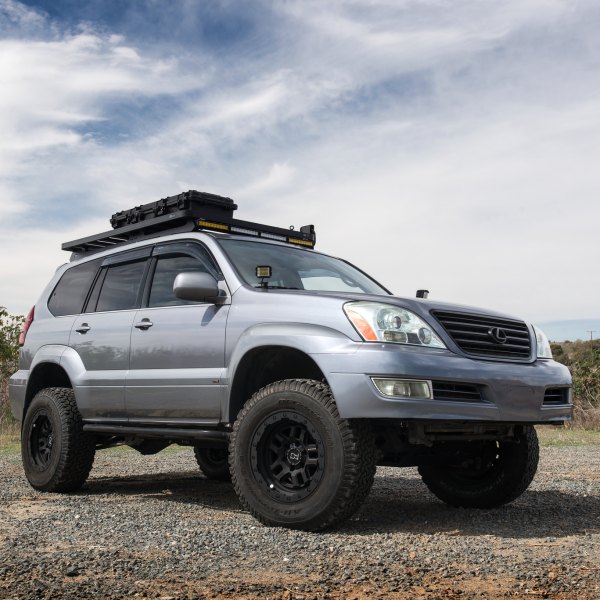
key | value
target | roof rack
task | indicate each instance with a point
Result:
(190, 211)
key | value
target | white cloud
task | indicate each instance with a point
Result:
(279, 176)
(448, 145)
(25, 18)
(50, 88)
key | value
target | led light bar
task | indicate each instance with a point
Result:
(308, 243)
(212, 225)
(272, 236)
(304, 237)
(244, 231)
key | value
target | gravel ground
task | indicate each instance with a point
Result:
(154, 527)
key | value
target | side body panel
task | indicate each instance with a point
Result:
(104, 353)
(316, 325)
(177, 364)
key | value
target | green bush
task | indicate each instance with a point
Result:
(583, 360)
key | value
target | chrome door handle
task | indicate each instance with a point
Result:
(144, 324)
(83, 328)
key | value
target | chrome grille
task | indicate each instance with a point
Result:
(486, 336)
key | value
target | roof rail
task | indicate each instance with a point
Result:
(189, 211)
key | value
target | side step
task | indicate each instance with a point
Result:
(208, 437)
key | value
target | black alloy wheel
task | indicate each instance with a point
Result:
(41, 439)
(288, 456)
(295, 462)
(485, 474)
(57, 454)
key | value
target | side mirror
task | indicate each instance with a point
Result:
(197, 286)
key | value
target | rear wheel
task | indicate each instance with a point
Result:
(295, 462)
(485, 474)
(213, 462)
(57, 454)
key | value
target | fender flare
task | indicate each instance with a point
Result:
(62, 356)
(312, 340)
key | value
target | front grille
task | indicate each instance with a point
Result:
(556, 396)
(486, 337)
(456, 392)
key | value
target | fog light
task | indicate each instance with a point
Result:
(403, 388)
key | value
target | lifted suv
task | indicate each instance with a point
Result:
(292, 372)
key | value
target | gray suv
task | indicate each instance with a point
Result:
(290, 372)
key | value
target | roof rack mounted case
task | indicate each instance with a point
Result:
(200, 204)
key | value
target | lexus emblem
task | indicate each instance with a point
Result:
(498, 335)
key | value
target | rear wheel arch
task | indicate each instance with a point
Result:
(45, 375)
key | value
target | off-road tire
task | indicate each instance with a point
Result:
(213, 462)
(57, 454)
(295, 462)
(503, 480)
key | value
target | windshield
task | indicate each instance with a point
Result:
(297, 269)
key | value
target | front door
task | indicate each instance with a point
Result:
(177, 346)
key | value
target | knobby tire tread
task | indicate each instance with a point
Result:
(210, 471)
(77, 447)
(359, 449)
(512, 486)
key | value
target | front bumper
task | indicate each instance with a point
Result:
(511, 392)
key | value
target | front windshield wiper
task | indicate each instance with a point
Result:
(276, 287)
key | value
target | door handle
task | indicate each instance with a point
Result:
(83, 328)
(144, 324)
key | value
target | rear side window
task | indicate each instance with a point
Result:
(121, 286)
(71, 291)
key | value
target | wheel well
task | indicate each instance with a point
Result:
(265, 365)
(45, 375)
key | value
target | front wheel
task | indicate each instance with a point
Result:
(295, 462)
(57, 453)
(485, 474)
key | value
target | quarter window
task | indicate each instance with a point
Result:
(71, 291)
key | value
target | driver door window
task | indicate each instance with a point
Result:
(167, 269)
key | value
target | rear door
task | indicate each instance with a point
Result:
(101, 336)
(177, 346)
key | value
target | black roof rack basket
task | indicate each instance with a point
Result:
(189, 211)
(175, 214)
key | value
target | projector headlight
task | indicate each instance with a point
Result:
(377, 322)
(543, 345)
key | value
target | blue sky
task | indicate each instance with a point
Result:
(448, 145)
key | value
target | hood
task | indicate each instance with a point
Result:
(420, 306)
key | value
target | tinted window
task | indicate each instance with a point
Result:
(121, 286)
(70, 293)
(167, 268)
